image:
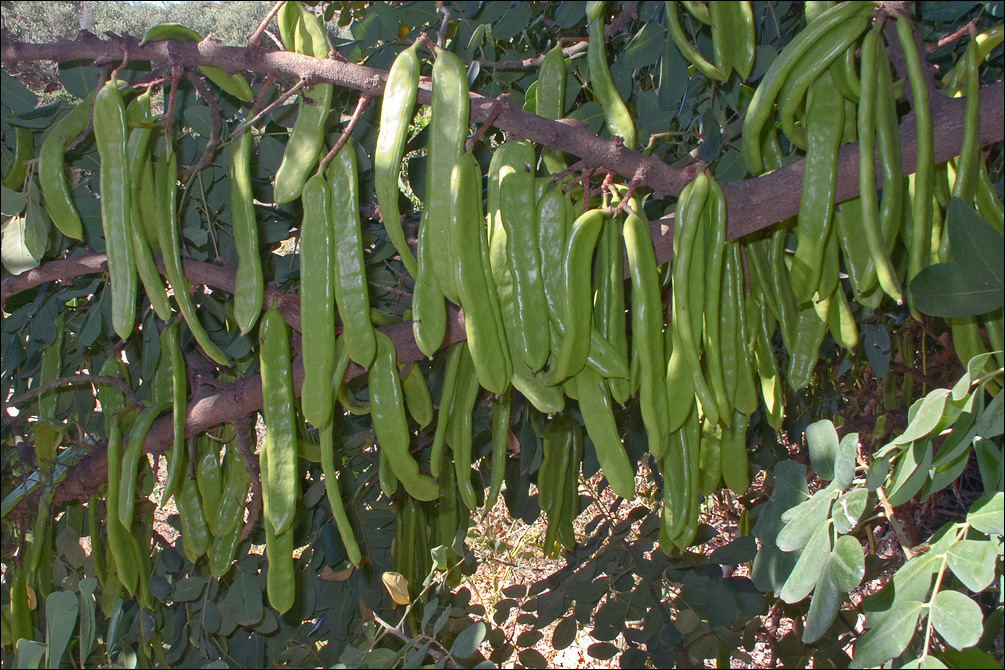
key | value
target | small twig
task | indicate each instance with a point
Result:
(214, 115)
(244, 428)
(347, 131)
(257, 35)
(441, 34)
(905, 544)
(967, 29)
(275, 103)
(125, 59)
(169, 113)
(497, 108)
(567, 172)
(74, 381)
(623, 205)
(396, 291)
(527, 63)
(261, 96)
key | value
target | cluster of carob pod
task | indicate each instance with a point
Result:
(540, 276)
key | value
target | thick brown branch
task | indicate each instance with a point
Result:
(778, 192)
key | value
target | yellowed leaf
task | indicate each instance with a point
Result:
(330, 575)
(397, 586)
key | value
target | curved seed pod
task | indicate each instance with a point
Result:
(448, 129)
(647, 332)
(279, 469)
(335, 495)
(351, 292)
(249, 285)
(482, 320)
(387, 406)
(110, 136)
(51, 175)
(598, 414)
(317, 302)
(395, 116)
(578, 305)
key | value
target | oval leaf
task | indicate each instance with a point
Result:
(847, 563)
(565, 633)
(804, 575)
(987, 515)
(889, 638)
(822, 441)
(957, 618)
(397, 587)
(61, 609)
(466, 643)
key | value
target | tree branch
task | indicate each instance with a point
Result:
(760, 201)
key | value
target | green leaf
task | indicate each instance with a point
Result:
(990, 462)
(824, 605)
(822, 441)
(878, 471)
(888, 639)
(199, 119)
(847, 563)
(844, 461)
(950, 290)
(957, 618)
(987, 515)
(847, 509)
(975, 243)
(14, 252)
(926, 662)
(992, 422)
(532, 658)
(12, 202)
(802, 521)
(189, 588)
(61, 609)
(78, 78)
(927, 417)
(466, 643)
(673, 76)
(974, 282)
(910, 473)
(972, 658)
(381, 657)
(565, 633)
(16, 95)
(973, 563)
(602, 651)
(789, 490)
(590, 114)
(740, 550)
(876, 343)
(29, 652)
(807, 569)
(87, 618)
(645, 48)
(513, 22)
(911, 582)
(771, 568)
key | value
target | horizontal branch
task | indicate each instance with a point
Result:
(752, 204)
